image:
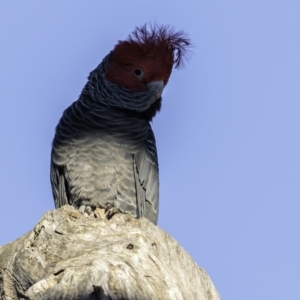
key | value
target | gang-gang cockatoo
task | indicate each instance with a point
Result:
(104, 153)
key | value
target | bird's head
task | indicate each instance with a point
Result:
(132, 76)
(145, 60)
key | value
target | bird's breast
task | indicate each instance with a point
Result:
(98, 132)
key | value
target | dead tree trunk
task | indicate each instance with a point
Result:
(71, 256)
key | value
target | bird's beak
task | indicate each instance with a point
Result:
(156, 87)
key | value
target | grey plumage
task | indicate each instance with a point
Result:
(104, 149)
(104, 152)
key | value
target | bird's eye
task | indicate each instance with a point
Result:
(138, 72)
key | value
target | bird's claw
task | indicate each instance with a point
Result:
(110, 210)
(85, 210)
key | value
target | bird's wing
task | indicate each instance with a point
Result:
(147, 185)
(58, 183)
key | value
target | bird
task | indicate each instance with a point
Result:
(104, 151)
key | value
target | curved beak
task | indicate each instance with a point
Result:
(156, 87)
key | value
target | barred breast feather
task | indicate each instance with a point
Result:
(96, 148)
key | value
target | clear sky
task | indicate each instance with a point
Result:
(228, 135)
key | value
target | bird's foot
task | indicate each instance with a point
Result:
(110, 210)
(85, 210)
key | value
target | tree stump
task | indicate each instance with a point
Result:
(71, 256)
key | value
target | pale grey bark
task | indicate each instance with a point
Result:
(71, 256)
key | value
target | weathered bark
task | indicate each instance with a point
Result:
(71, 256)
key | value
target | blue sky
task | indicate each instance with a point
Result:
(228, 135)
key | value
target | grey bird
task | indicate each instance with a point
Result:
(104, 152)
